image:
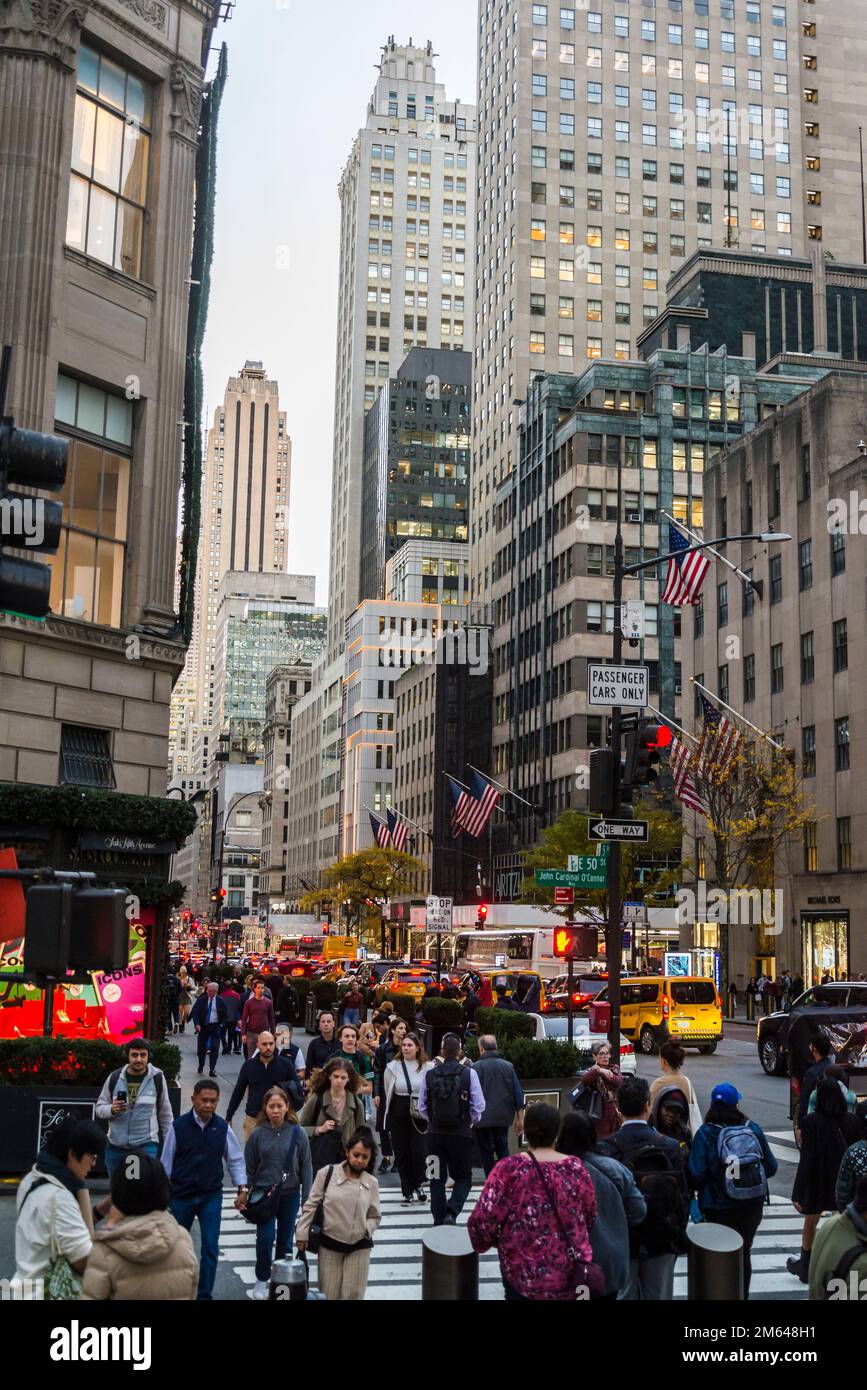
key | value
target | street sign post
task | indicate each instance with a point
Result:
(636, 831)
(623, 686)
(439, 920)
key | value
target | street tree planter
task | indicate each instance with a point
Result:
(27, 1112)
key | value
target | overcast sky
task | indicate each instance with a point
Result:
(300, 77)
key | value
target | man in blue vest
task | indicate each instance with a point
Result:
(196, 1147)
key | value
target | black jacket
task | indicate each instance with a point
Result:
(200, 1010)
(620, 1145)
(255, 1078)
(320, 1051)
(286, 1004)
(385, 1053)
(812, 1077)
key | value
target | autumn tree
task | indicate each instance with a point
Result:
(358, 882)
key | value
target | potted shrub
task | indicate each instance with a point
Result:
(43, 1078)
(505, 1024)
(442, 1016)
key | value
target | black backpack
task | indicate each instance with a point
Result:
(657, 1179)
(448, 1096)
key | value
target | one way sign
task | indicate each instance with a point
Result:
(619, 830)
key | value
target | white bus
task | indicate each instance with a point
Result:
(524, 948)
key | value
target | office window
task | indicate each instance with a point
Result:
(776, 668)
(702, 38)
(540, 85)
(567, 89)
(621, 166)
(594, 128)
(621, 132)
(540, 14)
(594, 22)
(567, 345)
(775, 569)
(85, 757)
(841, 744)
(838, 552)
(648, 31)
(722, 604)
(539, 157)
(844, 843)
(537, 342)
(594, 310)
(594, 347)
(87, 573)
(840, 645)
(805, 564)
(808, 660)
(110, 162)
(749, 678)
(811, 849)
(540, 120)
(808, 751)
(537, 267)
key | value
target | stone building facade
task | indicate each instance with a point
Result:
(99, 109)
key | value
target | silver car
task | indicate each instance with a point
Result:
(557, 1026)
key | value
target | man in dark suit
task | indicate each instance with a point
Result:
(208, 1018)
(656, 1162)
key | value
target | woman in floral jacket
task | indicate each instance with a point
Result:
(537, 1208)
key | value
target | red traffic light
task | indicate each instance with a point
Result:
(664, 737)
(482, 917)
(566, 940)
(224, 892)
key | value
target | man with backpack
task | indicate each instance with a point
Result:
(838, 1267)
(451, 1100)
(656, 1163)
(135, 1102)
(730, 1163)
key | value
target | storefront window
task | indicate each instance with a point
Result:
(826, 948)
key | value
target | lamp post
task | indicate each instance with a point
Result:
(621, 571)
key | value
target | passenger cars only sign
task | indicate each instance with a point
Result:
(625, 686)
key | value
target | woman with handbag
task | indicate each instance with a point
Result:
(537, 1209)
(597, 1091)
(388, 1049)
(332, 1112)
(339, 1218)
(279, 1174)
(402, 1084)
(54, 1229)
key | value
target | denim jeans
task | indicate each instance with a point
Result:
(208, 1210)
(352, 1016)
(114, 1156)
(283, 1225)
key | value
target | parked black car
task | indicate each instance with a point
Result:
(772, 1032)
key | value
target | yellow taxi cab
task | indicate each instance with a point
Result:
(654, 1008)
(404, 980)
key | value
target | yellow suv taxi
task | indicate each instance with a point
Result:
(415, 983)
(654, 1008)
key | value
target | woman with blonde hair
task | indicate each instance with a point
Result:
(333, 1111)
(278, 1151)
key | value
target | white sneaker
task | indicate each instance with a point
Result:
(259, 1291)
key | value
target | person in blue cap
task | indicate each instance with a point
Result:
(729, 1165)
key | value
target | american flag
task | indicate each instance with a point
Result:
(482, 802)
(380, 832)
(398, 830)
(460, 801)
(685, 572)
(720, 741)
(681, 769)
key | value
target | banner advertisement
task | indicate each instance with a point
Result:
(110, 1006)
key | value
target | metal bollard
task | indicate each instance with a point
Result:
(730, 1005)
(449, 1266)
(715, 1264)
(751, 1008)
(288, 1281)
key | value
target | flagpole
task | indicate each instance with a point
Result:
(454, 779)
(742, 717)
(506, 790)
(671, 723)
(693, 536)
(401, 816)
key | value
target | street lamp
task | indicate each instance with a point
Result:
(612, 934)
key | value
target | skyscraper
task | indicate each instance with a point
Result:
(245, 523)
(407, 195)
(615, 141)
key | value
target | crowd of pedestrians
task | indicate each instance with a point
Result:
(594, 1204)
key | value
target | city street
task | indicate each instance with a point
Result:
(396, 1261)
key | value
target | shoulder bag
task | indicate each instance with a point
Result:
(63, 1284)
(314, 1235)
(584, 1272)
(265, 1207)
(415, 1113)
(325, 1148)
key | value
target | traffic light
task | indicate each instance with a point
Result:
(482, 915)
(643, 745)
(82, 930)
(28, 523)
(576, 942)
(602, 796)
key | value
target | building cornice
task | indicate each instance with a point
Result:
(47, 29)
(91, 638)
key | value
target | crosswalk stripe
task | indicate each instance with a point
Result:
(395, 1266)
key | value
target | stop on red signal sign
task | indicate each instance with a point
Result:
(564, 897)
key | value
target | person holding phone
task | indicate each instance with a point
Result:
(135, 1102)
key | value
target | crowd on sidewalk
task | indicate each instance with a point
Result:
(594, 1204)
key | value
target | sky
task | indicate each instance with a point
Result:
(300, 77)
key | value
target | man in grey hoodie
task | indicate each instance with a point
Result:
(504, 1103)
(619, 1204)
(135, 1102)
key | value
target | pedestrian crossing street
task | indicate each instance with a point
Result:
(395, 1267)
